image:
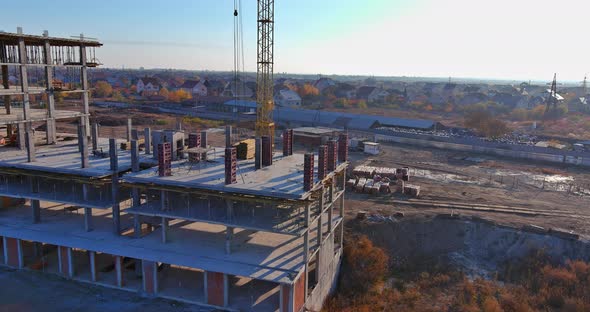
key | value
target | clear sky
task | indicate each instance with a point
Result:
(513, 39)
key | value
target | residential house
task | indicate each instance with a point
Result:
(372, 94)
(194, 87)
(323, 83)
(238, 89)
(214, 87)
(148, 86)
(345, 90)
(288, 98)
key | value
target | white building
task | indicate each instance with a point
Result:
(148, 86)
(288, 98)
(194, 87)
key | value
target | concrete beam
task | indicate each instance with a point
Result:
(150, 277)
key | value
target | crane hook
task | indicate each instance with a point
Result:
(235, 12)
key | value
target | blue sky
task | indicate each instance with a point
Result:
(460, 38)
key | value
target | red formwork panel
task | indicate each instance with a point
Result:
(12, 252)
(343, 147)
(215, 288)
(231, 165)
(332, 155)
(308, 172)
(322, 162)
(286, 290)
(299, 296)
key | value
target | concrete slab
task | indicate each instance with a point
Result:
(260, 255)
(64, 158)
(16, 115)
(284, 179)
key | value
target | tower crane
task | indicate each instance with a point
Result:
(264, 75)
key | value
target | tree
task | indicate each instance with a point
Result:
(164, 92)
(362, 104)
(102, 89)
(365, 264)
(117, 96)
(485, 124)
(307, 91)
(178, 96)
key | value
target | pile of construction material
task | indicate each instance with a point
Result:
(382, 180)
(246, 149)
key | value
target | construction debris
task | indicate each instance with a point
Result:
(246, 149)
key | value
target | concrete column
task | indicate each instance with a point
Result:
(35, 204)
(6, 85)
(134, 134)
(13, 252)
(30, 143)
(22, 134)
(85, 88)
(134, 156)
(306, 258)
(257, 153)
(228, 135)
(165, 225)
(51, 131)
(93, 273)
(163, 200)
(150, 277)
(229, 236)
(87, 210)
(119, 270)
(22, 53)
(113, 152)
(95, 137)
(216, 287)
(137, 225)
(147, 136)
(83, 145)
(229, 210)
(129, 127)
(66, 261)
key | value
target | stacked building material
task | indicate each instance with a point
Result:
(288, 142)
(384, 188)
(364, 171)
(246, 149)
(350, 183)
(231, 165)
(165, 159)
(332, 155)
(194, 140)
(308, 172)
(411, 190)
(343, 147)
(385, 172)
(375, 188)
(360, 185)
(322, 162)
(368, 186)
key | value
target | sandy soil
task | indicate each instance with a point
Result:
(452, 177)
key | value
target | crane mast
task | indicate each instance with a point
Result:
(264, 78)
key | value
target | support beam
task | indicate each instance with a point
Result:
(24, 81)
(165, 224)
(93, 273)
(95, 136)
(85, 88)
(150, 277)
(115, 185)
(66, 261)
(30, 143)
(83, 139)
(129, 127)
(229, 236)
(51, 127)
(6, 85)
(147, 136)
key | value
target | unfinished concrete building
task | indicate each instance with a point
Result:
(172, 216)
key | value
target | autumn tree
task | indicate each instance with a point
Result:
(485, 124)
(102, 89)
(164, 92)
(365, 264)
(178, 96)
(307, 91)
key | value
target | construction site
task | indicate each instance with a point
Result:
(163, 213)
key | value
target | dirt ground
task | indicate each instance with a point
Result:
(25, 291)
(560, 193)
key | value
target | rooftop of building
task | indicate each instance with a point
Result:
(283, 180)
(12, 38)
(64, 158)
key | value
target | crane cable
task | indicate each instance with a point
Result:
(238, 52)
